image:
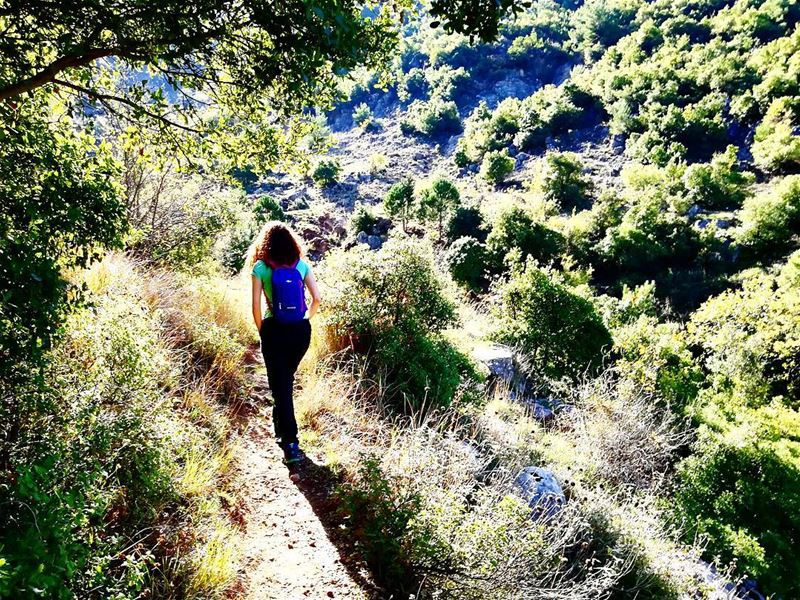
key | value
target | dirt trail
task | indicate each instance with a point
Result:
(287, 544)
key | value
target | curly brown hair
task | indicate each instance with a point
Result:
(275, 244)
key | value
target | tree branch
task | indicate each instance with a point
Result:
(127, 102)
(49, 73)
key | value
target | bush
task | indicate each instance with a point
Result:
(91, 468)
(515, 229)
(267, 209)
(559, 332)
(496, 166)
(563, 182)
(384, 517)
(466, 221)
(60, 210)
(446, 83)
(549, 111)
(326, 172)
(231, 247)
(466, 261)
(745, 500)
(413, 85)
(488, 130)
(718, 184)
(400, 201)
(377, 164)
(437, 199)
(363, 219)
(176, 219)
(777, 145)
(432, 118)
(396, 322)
(362, 116)
(599, 24)
(652, 234)
(770, 221)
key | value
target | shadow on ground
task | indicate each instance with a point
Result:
(317, 483)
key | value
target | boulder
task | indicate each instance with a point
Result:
(693, 211)
(542, 491)
(617, 144)
(374, 242)
(541, 412)
(499, 360)
(361, 238)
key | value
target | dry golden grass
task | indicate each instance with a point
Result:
(202, 327)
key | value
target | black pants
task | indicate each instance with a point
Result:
(283, 346)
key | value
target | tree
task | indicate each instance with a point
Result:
(61, 210)
(563, 181)
(496, 166)
(515, 229)
(559, 332)
(400, 200)
(437, 200)
(249, 60)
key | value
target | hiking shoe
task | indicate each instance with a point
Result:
(292, 453)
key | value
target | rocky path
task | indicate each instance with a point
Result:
(289, 536)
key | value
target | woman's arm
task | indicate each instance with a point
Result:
(311, 284)
(257, 289)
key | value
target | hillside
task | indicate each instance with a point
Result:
(558, 249)
(651, 151)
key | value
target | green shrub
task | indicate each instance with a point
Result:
(652, 234)
(549, 111)
(413, 85)
(466, 261)
(231, 247)
(363, 219)
(466, 221)
(445, 82)
(777, 145)
(266, 209)
(90, 468)
(746, 337)
(559, 332)
(563, 182)
(599, 24)
(60, 210)
(718, 184)
(496, 166)
(362, 116)
(326, 172)
(745, 500)
(401, 309)
(432, 118)
(515, 229)
(382, 516)
(487, 130)
(438, 198)
(400, 201)
(655, 357)
(770, 221)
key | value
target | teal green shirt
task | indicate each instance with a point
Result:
(264, 273)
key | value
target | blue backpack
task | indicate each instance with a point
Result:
(288, 294)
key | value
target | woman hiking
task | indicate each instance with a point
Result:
(285, 330)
